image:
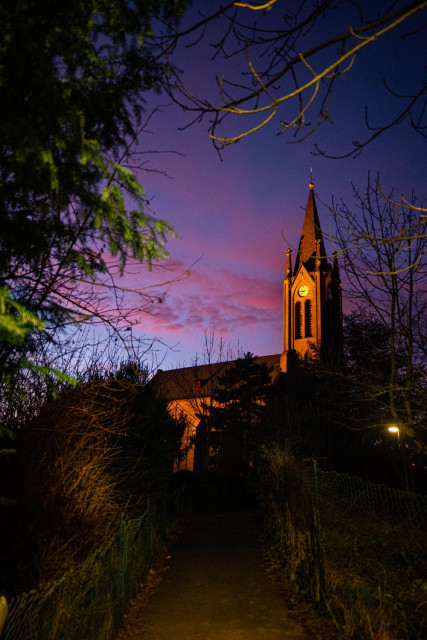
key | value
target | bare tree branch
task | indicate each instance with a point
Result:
(298, 52)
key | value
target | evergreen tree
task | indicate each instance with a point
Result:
(72, 90)
(236, 417)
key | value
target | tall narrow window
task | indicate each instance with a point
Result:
(307, 318)
(298, 320)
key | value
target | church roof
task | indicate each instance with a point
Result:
(198, 380)
(311, 232)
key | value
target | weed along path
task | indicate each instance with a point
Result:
(216, 588)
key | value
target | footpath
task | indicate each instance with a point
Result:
(216, 588)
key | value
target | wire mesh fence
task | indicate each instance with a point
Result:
(89, 602)
(354, 497)
(358, 548)
(374, 543)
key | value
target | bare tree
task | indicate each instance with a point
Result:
(383, 247)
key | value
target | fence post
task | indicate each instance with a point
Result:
(319, 560)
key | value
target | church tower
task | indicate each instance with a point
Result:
(312, 299)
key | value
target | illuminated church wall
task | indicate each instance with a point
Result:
(312, 327)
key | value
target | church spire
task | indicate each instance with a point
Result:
(312, 298)
(311, 234)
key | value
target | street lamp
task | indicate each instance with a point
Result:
(394, 429)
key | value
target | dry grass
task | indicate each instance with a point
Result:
(375, 572)
(376, 581)
(90, 459)
(71, 470)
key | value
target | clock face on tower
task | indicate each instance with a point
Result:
(303, 290)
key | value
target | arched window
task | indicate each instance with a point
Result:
(307, 318)
(298, 320)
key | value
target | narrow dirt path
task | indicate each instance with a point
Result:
(217, 589)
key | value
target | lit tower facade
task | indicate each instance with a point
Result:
(312, 298)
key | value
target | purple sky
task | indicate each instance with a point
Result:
(236, 217)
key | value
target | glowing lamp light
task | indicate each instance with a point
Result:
(393, 429)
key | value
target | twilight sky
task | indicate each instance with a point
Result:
(236, 215)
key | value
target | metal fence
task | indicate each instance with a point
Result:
(90, 601)
(357, 547)
(356, 498)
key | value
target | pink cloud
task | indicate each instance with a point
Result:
(233, 304)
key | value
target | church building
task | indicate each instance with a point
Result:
(312, 299)
(312, 329)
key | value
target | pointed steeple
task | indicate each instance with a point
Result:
(288, 268)
(311, 233)
(312, 299)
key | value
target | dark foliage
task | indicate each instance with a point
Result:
(72, 210)
(92, 456)
(340, 416)
(233, 426)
